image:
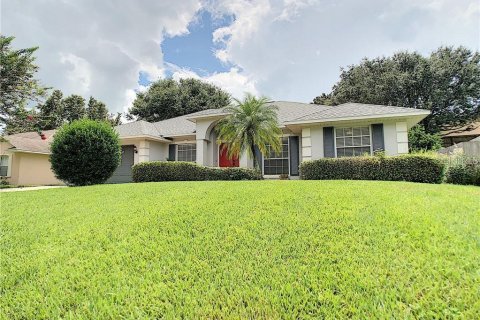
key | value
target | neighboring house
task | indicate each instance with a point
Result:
(463, 134)
(309, 132)
(469, 148)
(24, 159)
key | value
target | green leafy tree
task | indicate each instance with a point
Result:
(97, 110)
(455, 91)
(85, 152)
(324, 99)
(447, 83)
(22, 120)
(115, 120)
(73, 108)
(419, 140)
(251, 123)
(51, 112)
(168, 98)
(18, 85)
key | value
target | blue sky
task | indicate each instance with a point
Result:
(283, 49)
(195, 50)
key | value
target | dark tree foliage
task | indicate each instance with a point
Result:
(97, 110)
(168, 98)
(17, 83)
(85, 152)
(22, 120)
(115, 119)
(447, 83)
(419, 140)
(51, 112)
(57, 111)
(324, 99)
(73, 108)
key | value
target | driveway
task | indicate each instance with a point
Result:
(30, 188)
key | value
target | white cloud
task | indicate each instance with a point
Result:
(78, 74)
(96, 47)
(293, 49)
(284, 49)
(234, 82)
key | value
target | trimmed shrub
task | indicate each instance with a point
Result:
(85, 152)
(186, 171)
(415, 168)
(465, 171)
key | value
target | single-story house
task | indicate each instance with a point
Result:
(310, 132)
(24, 159)
(459, 135)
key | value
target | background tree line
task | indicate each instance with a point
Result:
(164, 99)
(447, 82)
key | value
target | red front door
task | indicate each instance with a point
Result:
(224, 161)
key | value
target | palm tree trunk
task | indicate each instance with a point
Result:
(255, 164)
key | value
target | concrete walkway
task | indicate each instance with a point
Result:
(30, 188)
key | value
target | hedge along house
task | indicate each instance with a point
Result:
(309, 132)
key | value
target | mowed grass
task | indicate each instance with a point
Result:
(259, 249)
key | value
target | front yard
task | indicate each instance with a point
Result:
(258, 249)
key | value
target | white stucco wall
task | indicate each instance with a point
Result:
(158, 151)
(205, 144)
(317, 142)
(306, 145)
(147, 150)
(390, 138)
(402, 137)
(210, 153)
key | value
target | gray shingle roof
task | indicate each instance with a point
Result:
(175, 126)
(357, 110)
(288, 112)
(31, 141)
(207, 112)
(137, 128)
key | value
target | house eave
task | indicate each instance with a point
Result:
(28, 151)
(179, 135)
(208, 116)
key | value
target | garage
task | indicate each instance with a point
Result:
(123, 173)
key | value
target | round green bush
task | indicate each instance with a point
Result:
(85, 152)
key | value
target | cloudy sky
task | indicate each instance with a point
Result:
(284, 49)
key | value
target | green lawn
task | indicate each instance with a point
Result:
(258, 249)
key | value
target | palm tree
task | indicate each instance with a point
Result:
(251, 123)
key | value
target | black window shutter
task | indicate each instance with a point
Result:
(378, 143)
(171, 152)
(328, 143)
(294, 155)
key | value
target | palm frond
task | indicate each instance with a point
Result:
(251, 123)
